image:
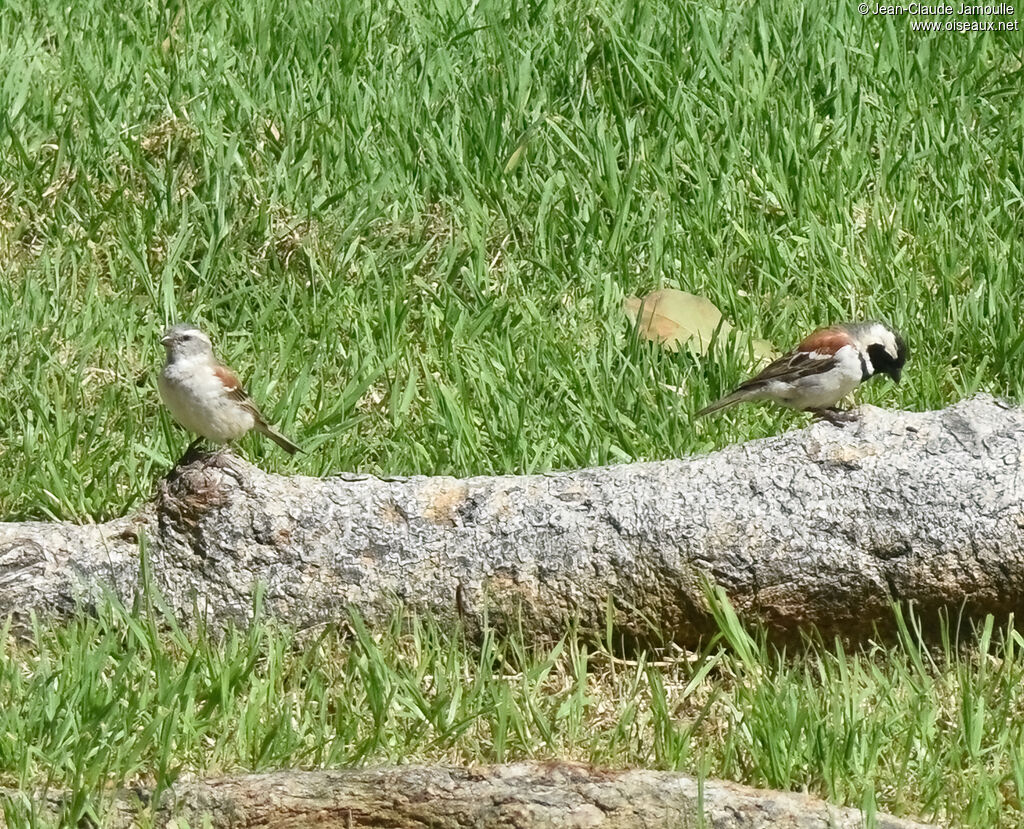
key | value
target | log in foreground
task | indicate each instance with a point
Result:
(517, 796)
(820, 526)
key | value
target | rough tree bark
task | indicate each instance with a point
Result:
(817, 526)
(518, 796)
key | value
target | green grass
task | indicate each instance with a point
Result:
(410, 225)
(122, 698)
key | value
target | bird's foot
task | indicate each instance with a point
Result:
(837, 417)
(223, 458)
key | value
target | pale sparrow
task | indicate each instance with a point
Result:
(205, 396)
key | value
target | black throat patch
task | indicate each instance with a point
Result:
(882, 362)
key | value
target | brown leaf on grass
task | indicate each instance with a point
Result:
(764, 352)
(674, 318)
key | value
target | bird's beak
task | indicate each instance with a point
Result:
(165, 340)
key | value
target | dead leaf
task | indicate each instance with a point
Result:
(764, 352)
(674, 318)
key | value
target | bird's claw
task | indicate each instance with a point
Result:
(837, 417)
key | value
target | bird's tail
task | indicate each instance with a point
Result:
(278, 438)
(724, 403)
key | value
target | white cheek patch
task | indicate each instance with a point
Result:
(880, 335)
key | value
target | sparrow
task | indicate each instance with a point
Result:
(204, 395)
(823, 369)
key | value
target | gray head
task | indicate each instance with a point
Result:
(185, 340)
(885, 348)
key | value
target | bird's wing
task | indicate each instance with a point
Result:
(792, 366)
(233, 388)
(815, 355)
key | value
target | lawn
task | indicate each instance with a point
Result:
(410, 227)
(123, 697)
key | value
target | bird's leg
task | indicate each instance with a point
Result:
(191, 452)
(835, 416)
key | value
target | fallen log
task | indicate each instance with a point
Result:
(517, 796)
(819, 526)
